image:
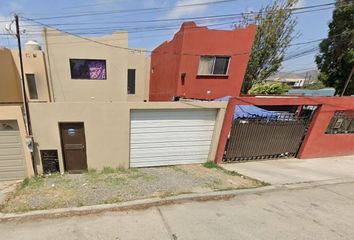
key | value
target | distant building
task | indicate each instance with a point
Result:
(200, 63)
(295, 80)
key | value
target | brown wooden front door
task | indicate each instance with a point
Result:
(73, 146)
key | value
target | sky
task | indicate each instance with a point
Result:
(149, 28)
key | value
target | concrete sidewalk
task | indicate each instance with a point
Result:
(290, 171)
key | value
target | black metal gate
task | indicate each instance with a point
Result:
(264, 138)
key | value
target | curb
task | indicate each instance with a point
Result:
(132, 205)
(153, 202)
(304, 185)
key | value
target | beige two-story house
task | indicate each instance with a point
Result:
(100, 69)
(90, 110)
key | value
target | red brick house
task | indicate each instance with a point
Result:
(200, 63)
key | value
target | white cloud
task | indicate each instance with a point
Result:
(177, 12)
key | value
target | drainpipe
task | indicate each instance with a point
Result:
(26, 112)
(48, 69)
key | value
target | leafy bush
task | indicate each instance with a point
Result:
(269, 89)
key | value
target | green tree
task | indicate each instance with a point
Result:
(275, 28)
(269, 89)
(336, 57)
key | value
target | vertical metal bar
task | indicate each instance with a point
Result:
(25, 102)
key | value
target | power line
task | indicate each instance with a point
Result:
(298, 70)
(146, 29)
(150, 36)
(189, 5)
(124, 38)
(136, 28)
(140, 10)
(206, 18)
(130, 32)
(152, 20)
(156, 52)
(302, 53)
(135, 10)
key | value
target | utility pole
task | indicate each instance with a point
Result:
(347, 82)
(24, 94)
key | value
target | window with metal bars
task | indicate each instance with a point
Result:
(342, 122)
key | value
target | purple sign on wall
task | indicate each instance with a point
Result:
(97, 69)
(88, 69)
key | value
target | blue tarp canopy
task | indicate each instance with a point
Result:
(249, 111)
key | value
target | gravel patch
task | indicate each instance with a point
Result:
(117, 185)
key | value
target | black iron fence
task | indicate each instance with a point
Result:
(265, 137)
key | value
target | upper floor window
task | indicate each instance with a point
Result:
(31, 85)
(131, 81)
(213, 65)
(341, 122)
(88, 69)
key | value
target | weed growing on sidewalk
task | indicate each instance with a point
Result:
(212, 164)
(31, 182)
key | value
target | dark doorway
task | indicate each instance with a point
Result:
(73, 146)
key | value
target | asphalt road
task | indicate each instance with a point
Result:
(322, 212)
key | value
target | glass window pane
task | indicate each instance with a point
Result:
(206, 65)
(221, 65)
(31, 85)
(131, 81)
(79, 69)
(88, 69)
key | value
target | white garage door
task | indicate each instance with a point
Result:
(169, 137)
(12, 164)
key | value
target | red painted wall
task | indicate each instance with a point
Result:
(181, 55)
(164, 72)
(316, 143)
